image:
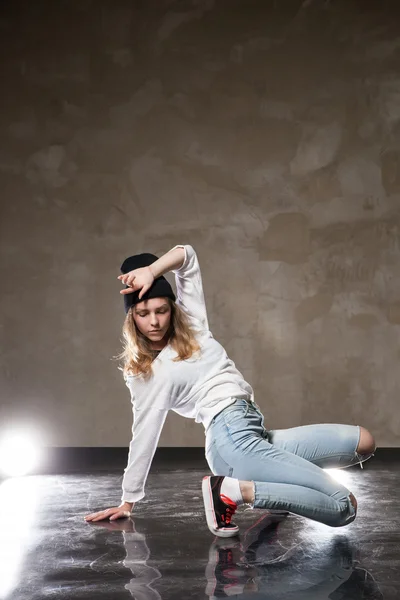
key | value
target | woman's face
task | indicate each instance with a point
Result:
(153, 318)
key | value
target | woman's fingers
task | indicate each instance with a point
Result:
(126, 277)
(144, 290)
(98, 516)
(121, 514)
(138, 277)
(129, 281)
(110, 513)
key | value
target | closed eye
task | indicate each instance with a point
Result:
(162, 312)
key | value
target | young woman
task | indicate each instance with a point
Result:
(172, 362)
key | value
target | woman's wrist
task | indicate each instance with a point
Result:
(170, 261)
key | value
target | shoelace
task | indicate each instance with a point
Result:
(230, 508)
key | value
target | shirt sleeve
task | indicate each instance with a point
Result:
(146, 431)
(189, 288)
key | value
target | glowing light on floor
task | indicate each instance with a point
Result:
(18, 501)
(19, 453)
(341, 475)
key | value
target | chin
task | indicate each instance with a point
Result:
(155, 337)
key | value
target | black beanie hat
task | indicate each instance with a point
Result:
(160, 288)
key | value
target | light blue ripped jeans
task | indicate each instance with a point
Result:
(286, 465)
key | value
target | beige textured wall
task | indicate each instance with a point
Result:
(266, 135)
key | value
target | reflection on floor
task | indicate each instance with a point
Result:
(166, 551)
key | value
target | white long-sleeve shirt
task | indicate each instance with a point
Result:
(197, 388)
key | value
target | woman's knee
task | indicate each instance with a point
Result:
(366, 444)
(353, 512)
(348, 515)
(353, 501)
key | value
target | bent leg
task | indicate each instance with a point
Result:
(334, 510)
(283, 481)
(236, 447)
(327, 445)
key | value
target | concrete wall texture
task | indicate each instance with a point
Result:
(266, 135)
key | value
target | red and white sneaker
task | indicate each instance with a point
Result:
(219, 508)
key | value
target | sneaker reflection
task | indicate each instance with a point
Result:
(137, 554)
(257, 566)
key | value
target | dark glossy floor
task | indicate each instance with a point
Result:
(166, 550)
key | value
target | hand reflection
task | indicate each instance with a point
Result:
(257, 566)
(137, 554)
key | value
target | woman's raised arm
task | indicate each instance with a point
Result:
(143, 278)
(173, 259)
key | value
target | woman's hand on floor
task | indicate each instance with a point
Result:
(116, 512)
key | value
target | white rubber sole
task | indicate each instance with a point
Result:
(210, 515)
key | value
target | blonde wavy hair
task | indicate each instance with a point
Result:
(138, 355)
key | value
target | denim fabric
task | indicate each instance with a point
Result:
(286, 465)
